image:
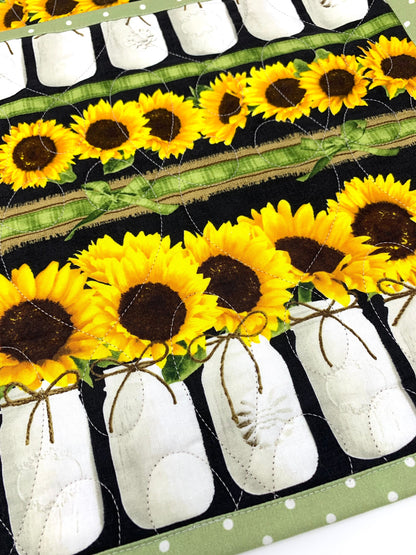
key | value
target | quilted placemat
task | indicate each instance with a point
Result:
(208, 255)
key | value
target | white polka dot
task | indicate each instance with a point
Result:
(68, 22)
(142, 6)
(164, 546)
(330, 518)
(410, 462)
(350, 483)
(106, 14)
(411, 1)
(406, 24)
(267, 540)
(228, 524)
(31, 31)
(392, 496)
(290, 503)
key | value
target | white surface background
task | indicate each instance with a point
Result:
(387, 530)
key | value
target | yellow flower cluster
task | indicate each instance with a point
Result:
(145, 296)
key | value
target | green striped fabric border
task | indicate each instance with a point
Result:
(77, 21)
(276, 520)
(406, 12)
(103, 89)
(285, 157)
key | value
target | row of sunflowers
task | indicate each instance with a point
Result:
(33, 154)
(148, 298)
(18, 13)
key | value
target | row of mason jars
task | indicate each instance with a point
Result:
(163, 474)
(64, 59)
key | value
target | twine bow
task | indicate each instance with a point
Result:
(218, 340)
(409, 294)
(325, 313)
(37, 396)
(139, 365)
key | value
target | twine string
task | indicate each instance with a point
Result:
(325, 313)
(409, 294)
(138, 365)
(37, 396)
(217, 340)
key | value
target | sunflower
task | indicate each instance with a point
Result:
(89, 5)
(12, 15)
(246, 274)
(45, 10)
(44, 321)
(174, 123)
(385, 211)
(35, 153)
(322, 249)
(107, 131)
(93, 261)
(391, 63)
(155, 301)
(333, 81)
(275, 91)
(224, 107)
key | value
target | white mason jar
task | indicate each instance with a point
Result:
(64, 59)
(270, 447)
(331, 14)
(362, 398)
(134, 43)
(204, 28)
(162, 470)
(270, 19)
(404, 329)
(52, 489)
(12, 68)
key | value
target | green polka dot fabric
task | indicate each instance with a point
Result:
(207, 271)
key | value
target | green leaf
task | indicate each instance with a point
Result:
(300, 66)
(91, 217)
(281, 328)
(2, 390)
(67, 176)
(178, 368)
(114, 165)
(321, 54)
(83, 367)
(305, 292)
(320, 165)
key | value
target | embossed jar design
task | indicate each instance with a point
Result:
(64, 59)
(354, 379)
(331, 14)
(270, 19)
(134, 43)
(204, 28)
(157, 449)
(52, 489)
(266, 443)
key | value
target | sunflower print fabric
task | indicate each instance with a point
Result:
(208, 271)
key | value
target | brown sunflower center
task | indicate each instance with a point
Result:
(34, 153)
(163, 124)
(399, 67)
(284, 93)
(389, 226)
(14, 14)
(229, 106)
(337, 82)
(236, 284)
(104, 2)
(152, 311)
(34, 331)
(60, 7)
(307, 255)
(107, 134)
